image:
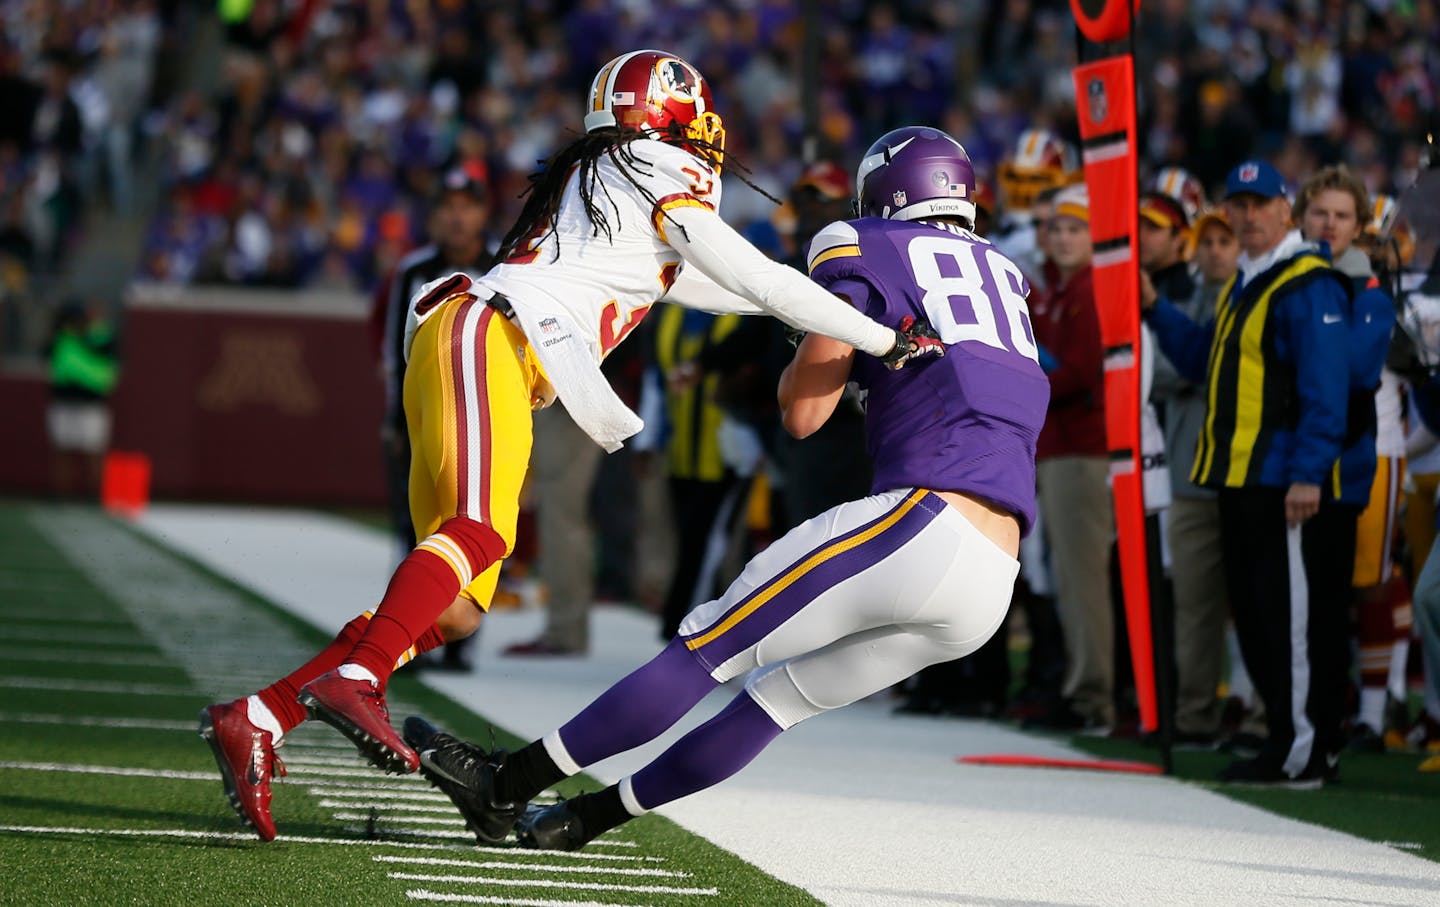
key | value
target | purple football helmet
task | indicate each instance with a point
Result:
(914, 172)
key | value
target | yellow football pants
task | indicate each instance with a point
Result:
(468, 391)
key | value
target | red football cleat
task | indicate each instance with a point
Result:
(356, 708)
(247, 761)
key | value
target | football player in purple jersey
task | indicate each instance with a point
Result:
(868, 592)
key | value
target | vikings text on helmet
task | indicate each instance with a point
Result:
(916, 172)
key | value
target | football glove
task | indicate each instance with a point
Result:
(914, 339)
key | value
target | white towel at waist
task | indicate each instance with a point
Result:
(575, 375)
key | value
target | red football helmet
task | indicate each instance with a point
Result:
(1040, 160)
(649, 90)
(1183, 186)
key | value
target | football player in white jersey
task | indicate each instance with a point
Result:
(619, 219)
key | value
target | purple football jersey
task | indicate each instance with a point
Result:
(967, 422)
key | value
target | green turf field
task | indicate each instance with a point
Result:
(108, 795)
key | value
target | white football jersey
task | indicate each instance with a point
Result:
(1389, 415)
(607, 284)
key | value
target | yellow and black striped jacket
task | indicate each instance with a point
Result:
(691, 415)
(1275, 366)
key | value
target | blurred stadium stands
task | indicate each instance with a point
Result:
(284, 144)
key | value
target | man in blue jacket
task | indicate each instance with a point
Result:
(1275, 365)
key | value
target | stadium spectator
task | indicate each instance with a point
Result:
(83, 372)
(1193, 526)
(1193, 523)
(706, 494)
(1073, 467)
(1334, 208)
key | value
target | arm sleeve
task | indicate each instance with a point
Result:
(710, 246)
(1185, 343)
(1319, 338)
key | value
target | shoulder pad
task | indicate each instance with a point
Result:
(839, 240)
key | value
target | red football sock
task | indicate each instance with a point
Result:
(279, 697)
(424, 585)
(432, 638)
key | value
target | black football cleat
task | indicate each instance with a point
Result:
(553, 827)
(466, 774)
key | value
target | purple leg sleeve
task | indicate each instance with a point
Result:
(640, 707)
(707, 755)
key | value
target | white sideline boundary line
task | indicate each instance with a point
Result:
(147, 724)
(550, 883)
(545, 867)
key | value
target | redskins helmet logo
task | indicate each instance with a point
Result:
(678, 80)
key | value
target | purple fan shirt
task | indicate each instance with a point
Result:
(967, 422)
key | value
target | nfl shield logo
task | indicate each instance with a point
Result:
(899, 198)
(1249, 173)
(1097, 103)
(549, 326)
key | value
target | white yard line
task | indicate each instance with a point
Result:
(132, 640)
(437, 808)
(149, 724)
(452, 820)
(534, 867)
(67, 768)
(361, 793)
(70, 656)
(372, 774)
(62, 618)
(462, 835)
(65, 685)
(415, 832)
(551, 883)
(225, 836)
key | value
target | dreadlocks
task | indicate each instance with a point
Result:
(539, 216)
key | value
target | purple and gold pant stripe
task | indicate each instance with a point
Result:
(836, 560)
